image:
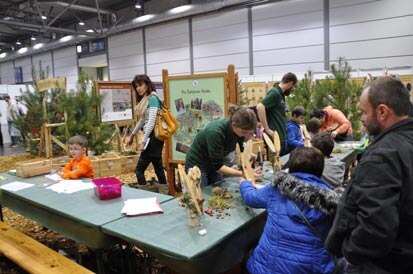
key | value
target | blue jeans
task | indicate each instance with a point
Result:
(14, 139)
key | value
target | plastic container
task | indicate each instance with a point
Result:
(108, 188)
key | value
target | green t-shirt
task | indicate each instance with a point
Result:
(212, 144)
(274, 104)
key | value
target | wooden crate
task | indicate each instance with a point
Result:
(109, 165)
(128, 163)
(32, 168)
(59, 162)
(95, 166)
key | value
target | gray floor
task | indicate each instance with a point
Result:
(8, 150)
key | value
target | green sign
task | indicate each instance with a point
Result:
(194, 102)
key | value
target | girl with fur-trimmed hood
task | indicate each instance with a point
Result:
(288, 244)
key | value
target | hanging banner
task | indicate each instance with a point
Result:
(49, 83)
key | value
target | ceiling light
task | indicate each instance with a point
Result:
(180, 9)
(2, 55)
(90, 30)
(8, 18)
(81, 23)
(43, 17)
(22, 50)
(33, 38)
(144, 18)
(39, 45)
(79, 49)
(138, 6)
(66, 38)
(18, 42)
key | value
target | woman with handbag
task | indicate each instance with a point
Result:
(300, 210)
(217, 140)
(146, 111)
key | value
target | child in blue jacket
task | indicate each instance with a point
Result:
(288, 244)
(294, 135)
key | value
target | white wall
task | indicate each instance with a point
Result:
(372, 34)
(219, 40)
(167, 47)
(7, 73)
(288, 36)
(65, 64)
(126, 55)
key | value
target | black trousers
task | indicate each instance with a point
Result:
(143, 164)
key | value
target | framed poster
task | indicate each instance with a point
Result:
(117, 102)
(195, 100)
(256, 91)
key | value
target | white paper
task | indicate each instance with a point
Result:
(141, 206)
(16, 186)
(55, 177)
(70, 186)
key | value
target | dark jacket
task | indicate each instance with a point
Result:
(374, 220)
(288, 245)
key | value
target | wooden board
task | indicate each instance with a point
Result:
(109, 165)
(33, 256)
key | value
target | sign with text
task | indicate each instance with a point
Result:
(195, 102)
(116, 105)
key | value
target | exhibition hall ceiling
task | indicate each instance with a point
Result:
(26, 23)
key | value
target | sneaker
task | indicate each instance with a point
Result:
(14, 145)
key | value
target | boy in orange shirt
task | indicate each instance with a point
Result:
(80, 165)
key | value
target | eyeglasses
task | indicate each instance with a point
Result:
(75, 149)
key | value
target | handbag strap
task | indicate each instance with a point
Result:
(159, 100)
(315, 230)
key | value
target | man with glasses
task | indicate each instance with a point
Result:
(271, 110)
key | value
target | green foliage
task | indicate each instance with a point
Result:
(339, 91)
(303, 94)
(80, 107)
(242, 95)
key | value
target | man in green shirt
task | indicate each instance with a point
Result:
(271, 110)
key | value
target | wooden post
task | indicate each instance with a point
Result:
(170, 170)
(232, 84)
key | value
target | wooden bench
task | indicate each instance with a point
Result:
(33, 256)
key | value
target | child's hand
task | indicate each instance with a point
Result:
(258, 172)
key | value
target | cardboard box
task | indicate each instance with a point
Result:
(109, 165)
(32, 168)
(128, 163)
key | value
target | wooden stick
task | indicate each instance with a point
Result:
(269, 143)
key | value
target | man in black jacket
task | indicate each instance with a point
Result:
(373, 227)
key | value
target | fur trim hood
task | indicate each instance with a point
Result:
(325, 200)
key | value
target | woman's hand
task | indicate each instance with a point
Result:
(142, 147)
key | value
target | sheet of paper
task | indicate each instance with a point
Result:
(134, 207)
(55, 177)
(70, 186)
(16, 186)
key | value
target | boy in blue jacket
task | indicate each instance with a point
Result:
(294, 135)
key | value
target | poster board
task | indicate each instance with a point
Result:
(195, 100)
(159, 90)
(256, 91)
(117, 103)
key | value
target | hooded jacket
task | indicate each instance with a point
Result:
(288, 245)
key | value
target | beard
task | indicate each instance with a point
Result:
(373, 127)
(287, 92)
